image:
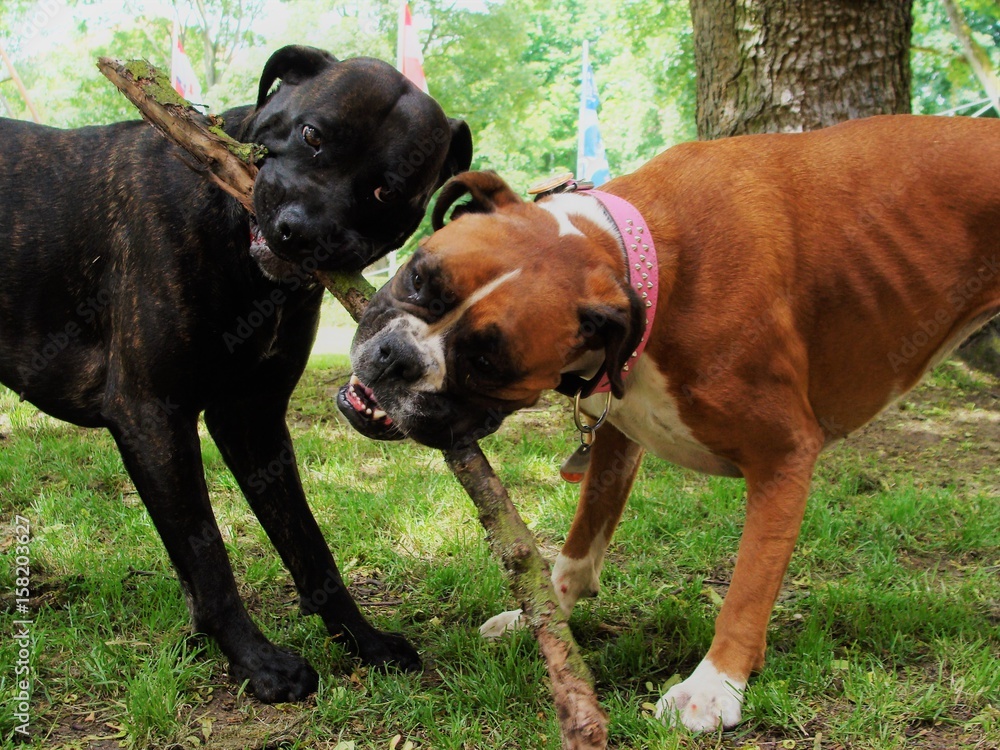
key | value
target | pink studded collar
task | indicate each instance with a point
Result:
(643, 270)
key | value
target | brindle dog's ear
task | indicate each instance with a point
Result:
(617, 328)
(489, 192)
(459, 151)
(290, 65)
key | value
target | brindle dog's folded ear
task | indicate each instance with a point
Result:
(489, 192)
(290, 65)
(459, 151)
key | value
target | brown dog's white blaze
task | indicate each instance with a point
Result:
(805, 282)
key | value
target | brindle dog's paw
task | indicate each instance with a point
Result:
(276, 675)
(390, 650)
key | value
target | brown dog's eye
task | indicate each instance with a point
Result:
(385, 194)
(311, 136)
(417, 282)
(483, 363)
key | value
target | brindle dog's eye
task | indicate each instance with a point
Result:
(386, 194)
(311, 136)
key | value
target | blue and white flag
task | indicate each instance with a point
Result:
(591, 161)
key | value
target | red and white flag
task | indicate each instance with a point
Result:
(182, 75)
(410, 60)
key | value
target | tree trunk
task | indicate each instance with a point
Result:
(783, 66)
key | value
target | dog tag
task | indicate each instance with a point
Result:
(574, 468)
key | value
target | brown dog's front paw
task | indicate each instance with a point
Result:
(276, 675)
(704, 700)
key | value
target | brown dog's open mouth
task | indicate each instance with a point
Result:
(357, 402)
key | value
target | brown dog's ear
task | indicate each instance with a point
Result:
(489, 192)
(291, 65)
(459, 156)
(616, 326)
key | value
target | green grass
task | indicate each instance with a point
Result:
(886, 635)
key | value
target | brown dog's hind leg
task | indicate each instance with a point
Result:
(776, 501)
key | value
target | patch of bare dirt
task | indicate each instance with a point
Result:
(943, 434)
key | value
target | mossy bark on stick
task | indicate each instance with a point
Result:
(352, 290)
(583, 723)
(227, 162)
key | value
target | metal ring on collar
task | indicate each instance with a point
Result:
(587, 428)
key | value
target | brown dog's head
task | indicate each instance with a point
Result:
(492, 310)
(354, 153)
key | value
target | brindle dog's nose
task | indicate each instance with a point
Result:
(292, 224)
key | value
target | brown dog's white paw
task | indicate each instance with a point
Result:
(703, 700)
(499, 624)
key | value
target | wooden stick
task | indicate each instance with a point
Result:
(226, 162)
(230, 165)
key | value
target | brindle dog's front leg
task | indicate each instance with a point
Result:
(162, 454)
(255, 444)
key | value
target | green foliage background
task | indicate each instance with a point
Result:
(509, 67)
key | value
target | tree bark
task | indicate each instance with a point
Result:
(583, 723)
(793, 65)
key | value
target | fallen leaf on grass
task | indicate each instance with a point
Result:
(713, 595)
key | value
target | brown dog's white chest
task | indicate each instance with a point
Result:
(648, 415)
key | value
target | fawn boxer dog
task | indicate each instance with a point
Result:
(805, 282)
(135, 295)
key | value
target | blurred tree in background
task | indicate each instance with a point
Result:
(510, 67)
(767, 66)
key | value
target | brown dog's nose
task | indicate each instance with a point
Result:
(397, 360)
